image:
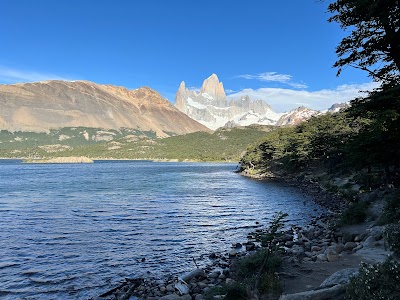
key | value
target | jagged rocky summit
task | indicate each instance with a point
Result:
(212, 108)
(41, 106)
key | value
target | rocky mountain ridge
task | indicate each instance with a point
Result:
(212, 108)
(45, 105)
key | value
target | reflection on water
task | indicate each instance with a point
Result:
(71, 231)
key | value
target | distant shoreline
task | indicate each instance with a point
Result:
(126, 159)
(61, 160)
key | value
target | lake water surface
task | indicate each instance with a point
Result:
(72, 231)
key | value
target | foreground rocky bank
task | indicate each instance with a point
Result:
(328, 253)
(318, 261)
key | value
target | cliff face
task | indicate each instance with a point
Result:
(41, 106)
(212, 108)
(213, 88)
(181, 96)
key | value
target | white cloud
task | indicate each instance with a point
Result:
(286, 99)
(275, 77)
(229, 91)
(268, 76)
(194, 88)
(298, 85)
(8, 75)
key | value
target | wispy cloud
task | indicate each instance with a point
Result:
(194, 88)
(229, 91)
(9, 75)
(286, 99)
(275, 77)
(268, 76)
(298, 85)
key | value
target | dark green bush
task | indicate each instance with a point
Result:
(348, 194)
(256, 274)
(245, 273)
(246, 269)
(234, 291)
(391, 211)
(354, 214)
(376, 282)
(392, 238)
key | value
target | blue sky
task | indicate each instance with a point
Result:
(281, 51)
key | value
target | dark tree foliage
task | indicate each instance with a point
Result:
(378, 141)
(374, 42)
(321, 140)
(363, 140)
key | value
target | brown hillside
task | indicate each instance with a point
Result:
(41, 106)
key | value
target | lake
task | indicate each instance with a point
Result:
(71, 231)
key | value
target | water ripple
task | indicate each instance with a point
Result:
(72, 231)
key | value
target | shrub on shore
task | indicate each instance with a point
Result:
(256, 274)
(376, 282)
(247, 269)
(354, 214)
(392, 238)
(391, 210)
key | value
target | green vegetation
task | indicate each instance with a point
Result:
(362, 142)
(391, 210)
(233, 291)
(391, 216)
(374, 282)
(256, 274)
(68, 136)
(356, 213)
(392, 237)
(222, 145)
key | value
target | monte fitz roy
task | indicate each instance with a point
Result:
(45, 105)
(212, 108)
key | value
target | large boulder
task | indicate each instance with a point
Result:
(340, 277)
(335, 292)
(333, 287)
(176, 297)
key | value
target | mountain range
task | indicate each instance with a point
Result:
(54, 104)
(41, 106)
(212, 108)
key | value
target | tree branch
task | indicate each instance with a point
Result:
(372, 73)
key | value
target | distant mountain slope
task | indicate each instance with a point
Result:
(41, 106)
(212, 108)
(225, 144)
(296, 116)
